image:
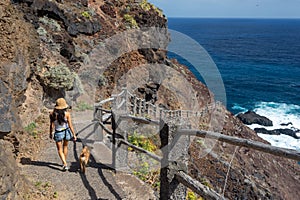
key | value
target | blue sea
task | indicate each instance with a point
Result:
(259, 63)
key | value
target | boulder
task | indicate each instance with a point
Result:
(285, 131)
(75, 23)
(286, 124)
(265, 131)
(250, 117)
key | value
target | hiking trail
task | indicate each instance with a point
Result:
(99, 181)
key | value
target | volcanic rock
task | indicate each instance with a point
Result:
(250, 117)
(285, 131)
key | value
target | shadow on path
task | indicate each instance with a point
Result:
(100, 168)
(90, 189)
(75, 168)
(28, 161)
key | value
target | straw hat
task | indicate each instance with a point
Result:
(61, 104)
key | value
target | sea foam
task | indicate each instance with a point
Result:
(279, 113)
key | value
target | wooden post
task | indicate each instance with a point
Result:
(133, 105)
(155, 111)
(98, 128)
(120, 152)
(174, 160)
(150, 109)
(147, 108)
(164, 181)
(178, 159)
(137, 106)
(126, 100)
(114, 127)
(143, 110)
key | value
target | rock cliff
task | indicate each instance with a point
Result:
(67, 48)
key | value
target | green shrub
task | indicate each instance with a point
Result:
(145, 5)
(86, 14)
(55, 195)
(158, 11)
(141, 141)
(31, 129)
(38, 184)
(143, 170)
(42, 32)
(130, 21)
(59, 77)
(82, 106)
(144, 173)
(192, 196)
(54, 26)
(201, 142)
(206, 182)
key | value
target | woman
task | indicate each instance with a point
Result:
(61, 129)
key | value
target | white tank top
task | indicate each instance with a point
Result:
(60, 127)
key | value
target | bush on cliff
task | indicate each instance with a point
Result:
(59, 77)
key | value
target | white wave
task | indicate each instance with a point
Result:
(283, 141)
(279, 113)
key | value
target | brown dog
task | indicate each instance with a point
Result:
(84, 158)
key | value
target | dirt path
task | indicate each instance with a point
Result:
(99, 182)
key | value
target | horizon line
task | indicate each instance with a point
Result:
(187, 17)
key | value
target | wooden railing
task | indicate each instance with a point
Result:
(173, 174)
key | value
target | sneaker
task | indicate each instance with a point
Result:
(65, 168)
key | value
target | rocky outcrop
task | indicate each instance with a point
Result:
(284, 131)
(13, 185)
(16, 54)
(250, 117)
(76, 21)
(6, 116)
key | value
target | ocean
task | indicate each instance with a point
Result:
(259, 63)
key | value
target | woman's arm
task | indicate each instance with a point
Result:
(68, 116)
(51, 126)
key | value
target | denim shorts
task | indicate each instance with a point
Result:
(63, 135)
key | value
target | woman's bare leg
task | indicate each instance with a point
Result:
(61, 154)
(65, 148)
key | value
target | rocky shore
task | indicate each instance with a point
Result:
(250, 117)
